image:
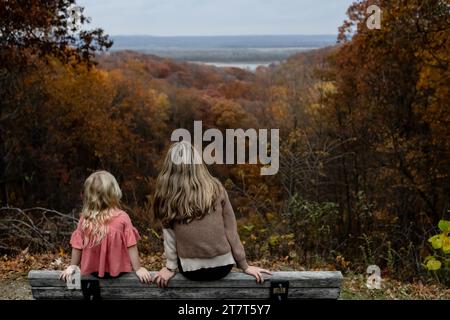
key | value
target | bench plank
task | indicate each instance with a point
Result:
(185, 293)
(56, 293)
(302, 285)
(297, 279)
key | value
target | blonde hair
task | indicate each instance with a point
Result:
(185, 190)
(101, 194)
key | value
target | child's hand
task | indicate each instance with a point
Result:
(143, 275)
(163, 277)
(66, 275)
(257, 273)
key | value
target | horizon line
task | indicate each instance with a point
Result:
(222, 35)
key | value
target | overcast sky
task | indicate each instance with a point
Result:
(216, 17)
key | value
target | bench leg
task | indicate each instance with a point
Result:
(91, 290)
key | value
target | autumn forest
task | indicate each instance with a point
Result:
(364, 137)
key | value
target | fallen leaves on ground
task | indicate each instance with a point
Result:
(15, 269)
(354, 287)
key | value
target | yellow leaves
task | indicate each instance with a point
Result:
(228, 184)
(446, 245)
(279, 105)
(228, 114)
(442, 240)
(436, 241)
(340, 260)
(275, 239)
(154, 233)
(432, 264)
(159, 109)
(248, 228)
(62, 252)
(441, 243)
(325, 87)
(278, 92)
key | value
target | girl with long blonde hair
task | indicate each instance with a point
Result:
(199, 225)
(105, 241)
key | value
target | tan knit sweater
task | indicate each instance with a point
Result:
(214, 235)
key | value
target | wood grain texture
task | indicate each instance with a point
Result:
(300, 279)
(302, 285)
(185, 293)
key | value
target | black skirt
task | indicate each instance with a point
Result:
(206, 274)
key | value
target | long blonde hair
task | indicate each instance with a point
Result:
(101, 194)
(185, 190)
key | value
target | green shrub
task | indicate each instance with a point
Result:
(313, 225)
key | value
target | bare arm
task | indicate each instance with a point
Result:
(74, 264)
(141, 272)
(76, 257)
(134, 257)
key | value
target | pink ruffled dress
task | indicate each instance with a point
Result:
(111, 255)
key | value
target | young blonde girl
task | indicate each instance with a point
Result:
(105, 241)
(200, 231)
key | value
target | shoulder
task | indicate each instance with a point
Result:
(80, 221)
(121, 215)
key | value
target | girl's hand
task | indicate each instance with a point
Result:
(257, 273)
(66, 275)
(163, 277)
(143, 275)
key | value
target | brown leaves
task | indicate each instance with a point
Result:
(18, 266)
(354, 287)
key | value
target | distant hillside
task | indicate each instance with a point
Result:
(140, 43)
(253, 50)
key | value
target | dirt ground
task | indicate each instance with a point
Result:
(15, 289)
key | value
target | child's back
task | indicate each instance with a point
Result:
(111, 254)
(105, 241)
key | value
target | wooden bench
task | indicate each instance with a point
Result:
(236, 286)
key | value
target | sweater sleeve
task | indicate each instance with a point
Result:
(232, 234)
(170, 249)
